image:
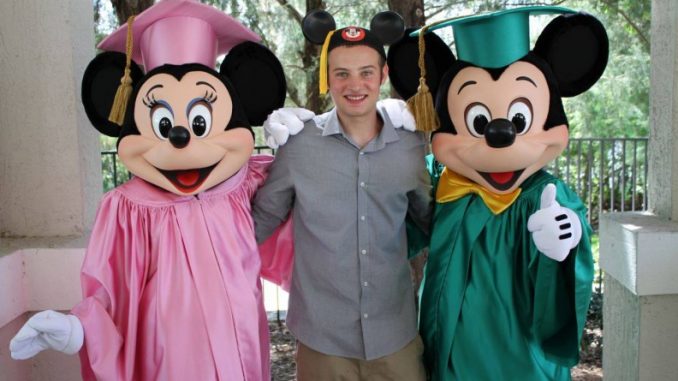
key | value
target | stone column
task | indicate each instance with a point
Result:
(50, 176)
(639, 251)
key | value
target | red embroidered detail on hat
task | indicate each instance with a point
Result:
(352, 33)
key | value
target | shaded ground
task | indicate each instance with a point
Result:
(589, 368)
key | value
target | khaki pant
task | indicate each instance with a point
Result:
(404, 365)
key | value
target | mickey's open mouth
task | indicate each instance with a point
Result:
(188, 180)
(502, 180)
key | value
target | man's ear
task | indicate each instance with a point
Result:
(99, 85)
(576, 48)
(384, 73)
(258, 78)
(403, 58)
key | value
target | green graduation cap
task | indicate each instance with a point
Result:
(496, 39)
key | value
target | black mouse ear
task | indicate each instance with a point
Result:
(316, 24)
(258, 78)
(388, 26)
(99, 84)
(403, 63)
(576, 48)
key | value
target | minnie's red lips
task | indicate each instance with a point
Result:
(188, 180)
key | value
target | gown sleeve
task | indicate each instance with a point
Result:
(563, 291)
(112, 281)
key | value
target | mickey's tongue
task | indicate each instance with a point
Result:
(501, 177)
(188, 178)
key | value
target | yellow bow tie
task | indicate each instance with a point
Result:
(452, 186)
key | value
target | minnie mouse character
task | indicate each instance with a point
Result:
(508, 278)
(171, 274)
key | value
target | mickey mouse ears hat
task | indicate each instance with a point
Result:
(179, 32)
(319, 28)
(495, 39)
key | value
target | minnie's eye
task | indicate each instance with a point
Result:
(162, 121)
(200, 118)
(520, 113)
(477, 118)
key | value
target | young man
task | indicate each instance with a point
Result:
(350, 179)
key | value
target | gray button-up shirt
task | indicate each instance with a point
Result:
(351, 292)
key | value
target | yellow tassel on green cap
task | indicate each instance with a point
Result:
(124, 91)
(421, 103)
(323, 64)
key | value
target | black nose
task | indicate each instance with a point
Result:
(179, 136)
(500, 133)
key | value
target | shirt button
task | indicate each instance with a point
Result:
(362, 153)
(365, 284)
(362, 184)
(366, 316)
(362, 218)
(363, 252)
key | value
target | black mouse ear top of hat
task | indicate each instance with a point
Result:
(316, 25)
(388, 26)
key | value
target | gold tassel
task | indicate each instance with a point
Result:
(323, 64)
(124, 91)
(421, 103)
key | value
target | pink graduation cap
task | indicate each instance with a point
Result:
(179, 32)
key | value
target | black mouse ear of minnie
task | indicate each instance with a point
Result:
(316, 24)
(99, 85)
(576, 48)
(388, 26)
(258, 78)
(403, 59)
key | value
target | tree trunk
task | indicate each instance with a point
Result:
(126, 8)
(411, 10)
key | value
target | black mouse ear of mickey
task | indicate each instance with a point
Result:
(99, 85)
(403, 58)
(388, 26)
(316, 24)
(258, 78)
(576, 48)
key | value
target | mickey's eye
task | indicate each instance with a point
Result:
(477, 118)
(200, 118)
(162, 121)
(520, 113)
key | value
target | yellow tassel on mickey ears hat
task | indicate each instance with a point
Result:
(124, 91)
(421, 103)
(323, 63)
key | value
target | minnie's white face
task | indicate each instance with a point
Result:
(500, 138)
(182, 144)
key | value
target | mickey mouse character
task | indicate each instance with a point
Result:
(171, 274)
(509, 274)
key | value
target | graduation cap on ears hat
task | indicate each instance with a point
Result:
(179, 32)
(490, 40)
(172, 32)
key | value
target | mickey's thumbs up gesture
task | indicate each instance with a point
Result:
(555, 230)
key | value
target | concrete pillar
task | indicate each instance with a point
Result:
(50, 171)
(639, 251)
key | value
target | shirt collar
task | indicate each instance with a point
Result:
(331, 126)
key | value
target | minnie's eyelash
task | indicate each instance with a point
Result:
(209, 97)
(150, 102)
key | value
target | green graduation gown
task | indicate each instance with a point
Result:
(493, 307)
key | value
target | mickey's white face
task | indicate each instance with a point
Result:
(500, 138)
(182, 144)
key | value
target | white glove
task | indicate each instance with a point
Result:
(555, 230)
(47, 330)
(397, 111)
(284, 122)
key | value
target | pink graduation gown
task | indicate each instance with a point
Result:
(171, 284)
